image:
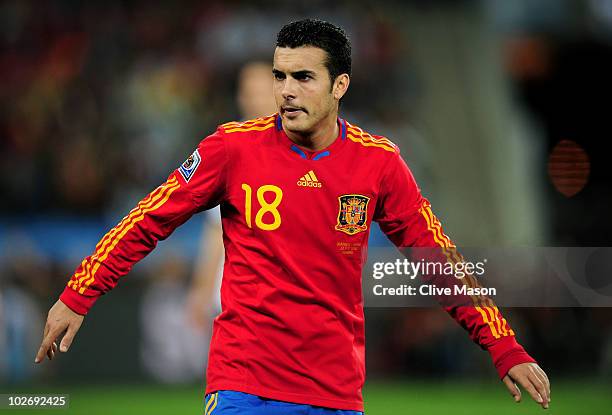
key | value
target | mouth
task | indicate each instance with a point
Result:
(292, 111)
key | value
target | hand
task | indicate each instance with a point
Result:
(533, 379)
(60, 319)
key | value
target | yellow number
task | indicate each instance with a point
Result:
(247, 203)
(265, 206)
(268, 207)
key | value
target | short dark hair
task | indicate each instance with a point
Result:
(324, 35)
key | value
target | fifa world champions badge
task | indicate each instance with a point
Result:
(190, 165)
(352, 214)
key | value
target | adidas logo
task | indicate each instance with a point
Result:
(309, 180)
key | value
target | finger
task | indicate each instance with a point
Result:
(541, 389)
(52, 351)
(545, 376)
(68, 338)
(543, 380)
(44, 345)
(527, 384)
(512, 388)
(40, 354)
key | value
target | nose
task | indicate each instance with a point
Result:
(289, 89)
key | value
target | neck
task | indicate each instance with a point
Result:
(321, 137)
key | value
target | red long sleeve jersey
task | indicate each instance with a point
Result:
(295, 228)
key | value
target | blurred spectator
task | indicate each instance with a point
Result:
(255, 99)
(175, 336)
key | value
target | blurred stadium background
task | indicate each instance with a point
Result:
(101, 100)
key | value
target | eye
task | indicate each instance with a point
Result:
(279, 76)
(303, 77)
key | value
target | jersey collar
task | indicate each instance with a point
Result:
(316, 155)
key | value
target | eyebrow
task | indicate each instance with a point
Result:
(296, 73)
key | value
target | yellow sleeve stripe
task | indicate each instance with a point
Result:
(437, 227)
(253, 128)
(490, 314)
(493, 314)
(502, 323)
(147, 201)
(369, 137)
(101, 246)
(369, 143)
(160, 201)
(158, 198)
(249, 123)
(242, 126)
(356, 133)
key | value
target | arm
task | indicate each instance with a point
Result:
(406, 218)
(196, 185)
(204, 283)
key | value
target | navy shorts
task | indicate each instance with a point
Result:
(240, 403)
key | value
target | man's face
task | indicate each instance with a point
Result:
(302, 88)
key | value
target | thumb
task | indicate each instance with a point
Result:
(512, 388)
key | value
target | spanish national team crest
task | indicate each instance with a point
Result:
(353, 214)
(190, 165)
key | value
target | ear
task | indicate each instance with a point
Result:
(341, 85)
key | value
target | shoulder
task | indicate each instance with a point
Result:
(371, 143)
(235, 129)
(236, 137)
(249, 128)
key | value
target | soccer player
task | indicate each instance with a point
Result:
(298, 191)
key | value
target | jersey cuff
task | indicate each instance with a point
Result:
(78, 303)
(506, 353)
